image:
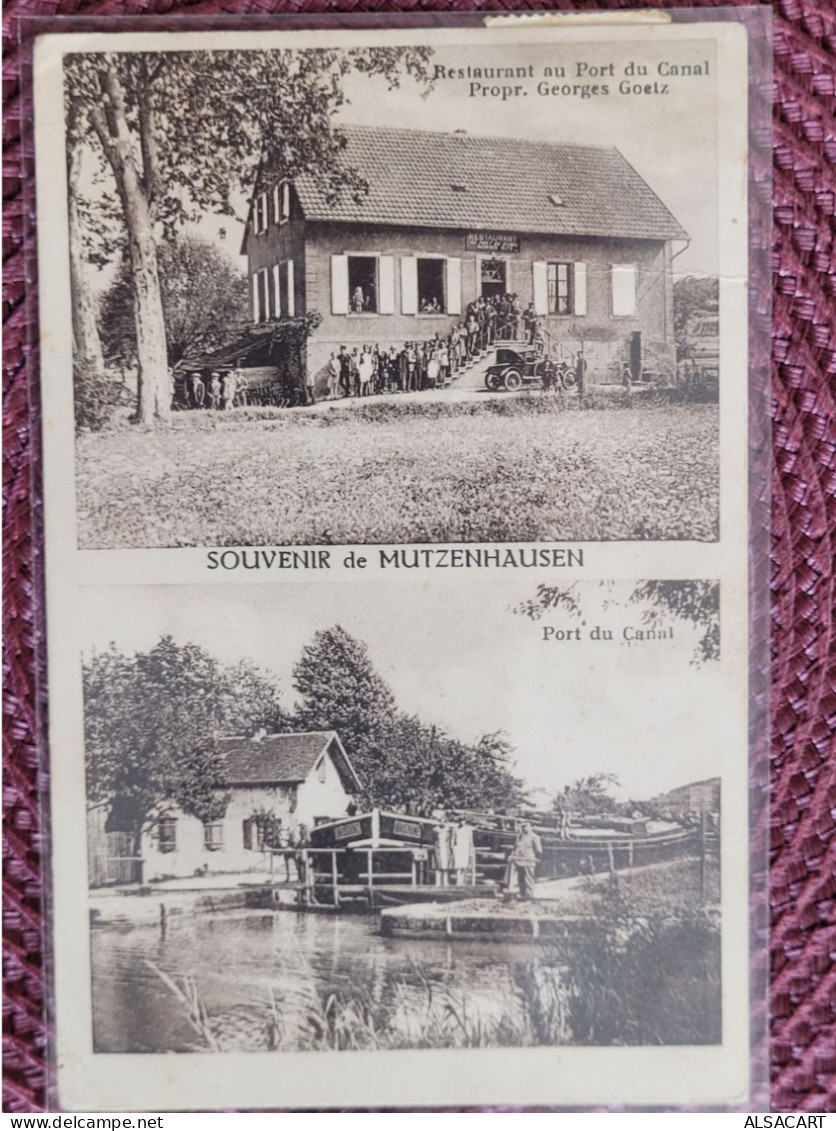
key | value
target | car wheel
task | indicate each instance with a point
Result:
(492, 381)
(569, 379)
(512, 379)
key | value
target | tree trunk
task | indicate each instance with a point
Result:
(154, 392)
(87, 346)
(111, 123)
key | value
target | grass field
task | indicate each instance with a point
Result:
(497, 469)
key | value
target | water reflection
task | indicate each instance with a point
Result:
(267, 978)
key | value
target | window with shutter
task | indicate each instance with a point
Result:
(362, 284)
(560, 279)
(213, 835)
(430, 280)
(624, 290)
(167, 834)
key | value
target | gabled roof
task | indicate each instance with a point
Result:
(453, 180)
(284, 759)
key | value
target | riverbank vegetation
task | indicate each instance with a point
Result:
(527, 468)
(629, 980)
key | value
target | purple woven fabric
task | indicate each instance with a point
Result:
(803, 705)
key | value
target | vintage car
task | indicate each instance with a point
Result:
(516, 369)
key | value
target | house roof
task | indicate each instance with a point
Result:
(453, 180)
(284, 759)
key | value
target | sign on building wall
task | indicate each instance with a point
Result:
(491, 241)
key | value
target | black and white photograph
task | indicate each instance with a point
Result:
(307, 833)
(395, 294)
(396, 571)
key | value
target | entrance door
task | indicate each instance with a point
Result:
(636, 356)
(492, 277)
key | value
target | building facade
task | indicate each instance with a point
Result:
(447, 218)
(274, 782)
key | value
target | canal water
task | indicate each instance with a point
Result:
(294, 981)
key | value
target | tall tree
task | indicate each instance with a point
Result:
(88, 360)
(181, 130)
(398, 757)
(204, 295)
(340, 690)
(152, 723)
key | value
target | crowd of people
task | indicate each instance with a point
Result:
(217, 392)
(371, 368)
(363, 371)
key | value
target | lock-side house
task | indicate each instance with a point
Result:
(447, 217)
(273, 781)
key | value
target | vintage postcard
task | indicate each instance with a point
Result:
(395, 400)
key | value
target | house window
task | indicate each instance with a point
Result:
(320, 772)
(559, 277)
(247, 829)
(362, 284)
(624, 278)
(262, 286)
(430, 286)
(167, 834)
(213, 835)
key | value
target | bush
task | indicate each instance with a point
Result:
(96, 399)
(646, 980)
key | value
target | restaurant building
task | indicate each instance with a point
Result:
(447, 217)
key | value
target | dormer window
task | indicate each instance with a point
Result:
(557, 200)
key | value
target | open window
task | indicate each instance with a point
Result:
(431, 286)
(362, 284)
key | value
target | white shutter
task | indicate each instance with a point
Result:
(409, 284)
(277, 208)
(623, 290)
(454, 286)
(339, 284)
(285, 201)
(256, 315)
(386, 285)
(580, 289)
(277, 292)
(291, 290)
(540, 279)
